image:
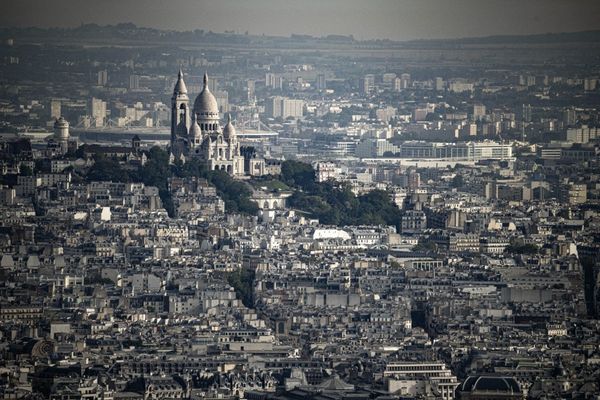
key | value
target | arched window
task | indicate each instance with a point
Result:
(182, 113)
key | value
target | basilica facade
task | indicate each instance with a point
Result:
(196, 132)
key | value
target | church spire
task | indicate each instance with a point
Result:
(205, 79)
(180, 87)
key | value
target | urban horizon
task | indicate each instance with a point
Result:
(199, 210)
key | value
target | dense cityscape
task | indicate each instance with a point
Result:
(201, 215)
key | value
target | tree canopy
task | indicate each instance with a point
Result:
(107, 169)
(157, 171)
(522, 248)
(336, 204)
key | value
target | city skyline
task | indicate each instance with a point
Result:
(395, 20)
(189, 213)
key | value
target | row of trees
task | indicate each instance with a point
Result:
(331, 203)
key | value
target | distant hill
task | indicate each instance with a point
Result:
(565, 37)
(128, 32)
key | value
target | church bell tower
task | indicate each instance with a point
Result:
(180, 112)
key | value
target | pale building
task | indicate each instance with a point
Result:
(367, 84)
(478, 111)
(405, 81)
(388, 79)
(61, 134)
(97, 111)
(283, 107)
(273, 81)
(55, 108)
(404, 378)
(583, 134)
(198, 133)
(102, 77)
(439, 84)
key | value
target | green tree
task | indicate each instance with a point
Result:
(522, 249)
(107, 169)
(156, 172)
(334, 203)
(25, 170)
(457, 181)
(425, 246)
(242, 281)
(235, 194)
(295, 173)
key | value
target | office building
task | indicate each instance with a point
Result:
(273, 81)
(55, 109)
(478, 112)
(405, 81)
(367, 84)
(102, 77)
(97, 111)
(388, 79)
(134, 82)
(439, 84)
(251, 87)
(569, 116)
(376, 148)
(584, 134)
(283, 107)
(321, 83)
(527, 114)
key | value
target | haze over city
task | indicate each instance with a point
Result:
(383, 19)
(284, 200)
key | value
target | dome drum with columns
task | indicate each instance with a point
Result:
(197, 133)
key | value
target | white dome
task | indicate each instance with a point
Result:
(195, 131)
(229, 129)
(61, 123)
(206, 105)
(61, 129)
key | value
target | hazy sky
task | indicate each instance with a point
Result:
(365, 19)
